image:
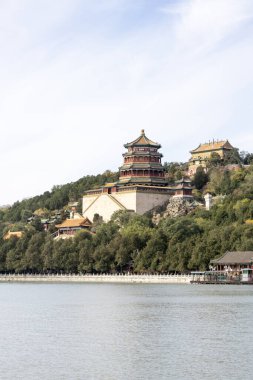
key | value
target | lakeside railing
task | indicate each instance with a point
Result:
(96, 274)
(97, 277)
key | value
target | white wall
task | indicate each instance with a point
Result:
(146, 201)
(104, 205)
(127, 198)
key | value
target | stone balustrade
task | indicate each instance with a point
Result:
(99, 278)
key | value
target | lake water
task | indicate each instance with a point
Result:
(116, 332)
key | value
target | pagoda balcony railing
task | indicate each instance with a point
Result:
(153, 150)
(129, 175)
(142, 153)
(148, 160)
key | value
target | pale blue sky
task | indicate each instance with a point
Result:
(78, 79)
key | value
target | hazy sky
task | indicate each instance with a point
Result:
(79, 78)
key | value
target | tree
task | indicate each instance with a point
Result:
(174, 170)
(152, 256)
(219, 182)
(225, 185)
(105, 233)
(200, 178)
(232, 157)
(214, 160)
(36, 223)
(32, 259)
(103, 259)
(97, 221)
(122, 217)
(7, 246)
(86, 260)
(47, 252)
(247, 159)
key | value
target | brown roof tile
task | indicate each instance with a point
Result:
(235, 257)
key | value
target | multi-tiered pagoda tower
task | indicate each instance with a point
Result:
(141, 187)
(142, 163)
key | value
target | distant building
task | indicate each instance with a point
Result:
(9, 234)
(236, 260)
(141, 187)
(183, 189)
(203, 153)
(69, 227)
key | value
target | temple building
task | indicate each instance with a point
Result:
(141, 187)
(16, 234)
(204, 152)
(183, 189)
(235, 260)
(69, 227)
(142, 163)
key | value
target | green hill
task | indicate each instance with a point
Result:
(131, 242)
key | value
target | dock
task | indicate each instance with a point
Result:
(243, 277)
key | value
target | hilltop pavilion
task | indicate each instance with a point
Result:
(203, 152)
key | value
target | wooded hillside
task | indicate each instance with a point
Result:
(131, 242)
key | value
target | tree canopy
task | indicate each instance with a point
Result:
(131, 242)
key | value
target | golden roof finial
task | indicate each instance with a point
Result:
(142, 132)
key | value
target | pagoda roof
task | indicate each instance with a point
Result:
(142, 140)
(181, 186)
(138, 153)
(235, 257)
(110, 184)
(183, 180)
(142, 180)
(213, 145)
(73, 223)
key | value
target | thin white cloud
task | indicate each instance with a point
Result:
(73, 91)
(203, 24)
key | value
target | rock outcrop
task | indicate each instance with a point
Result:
(176, 207)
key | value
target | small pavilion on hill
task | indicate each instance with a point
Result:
(69, 227)
(183, 188)
(10, 234)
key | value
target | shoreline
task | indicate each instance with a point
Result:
(98, 278)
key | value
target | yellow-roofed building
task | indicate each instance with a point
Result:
(204, 152)
(9, 234)
(69, 227)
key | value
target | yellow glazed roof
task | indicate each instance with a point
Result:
(71, 223)
(9, 234)
(213, 145)
(143, 140)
